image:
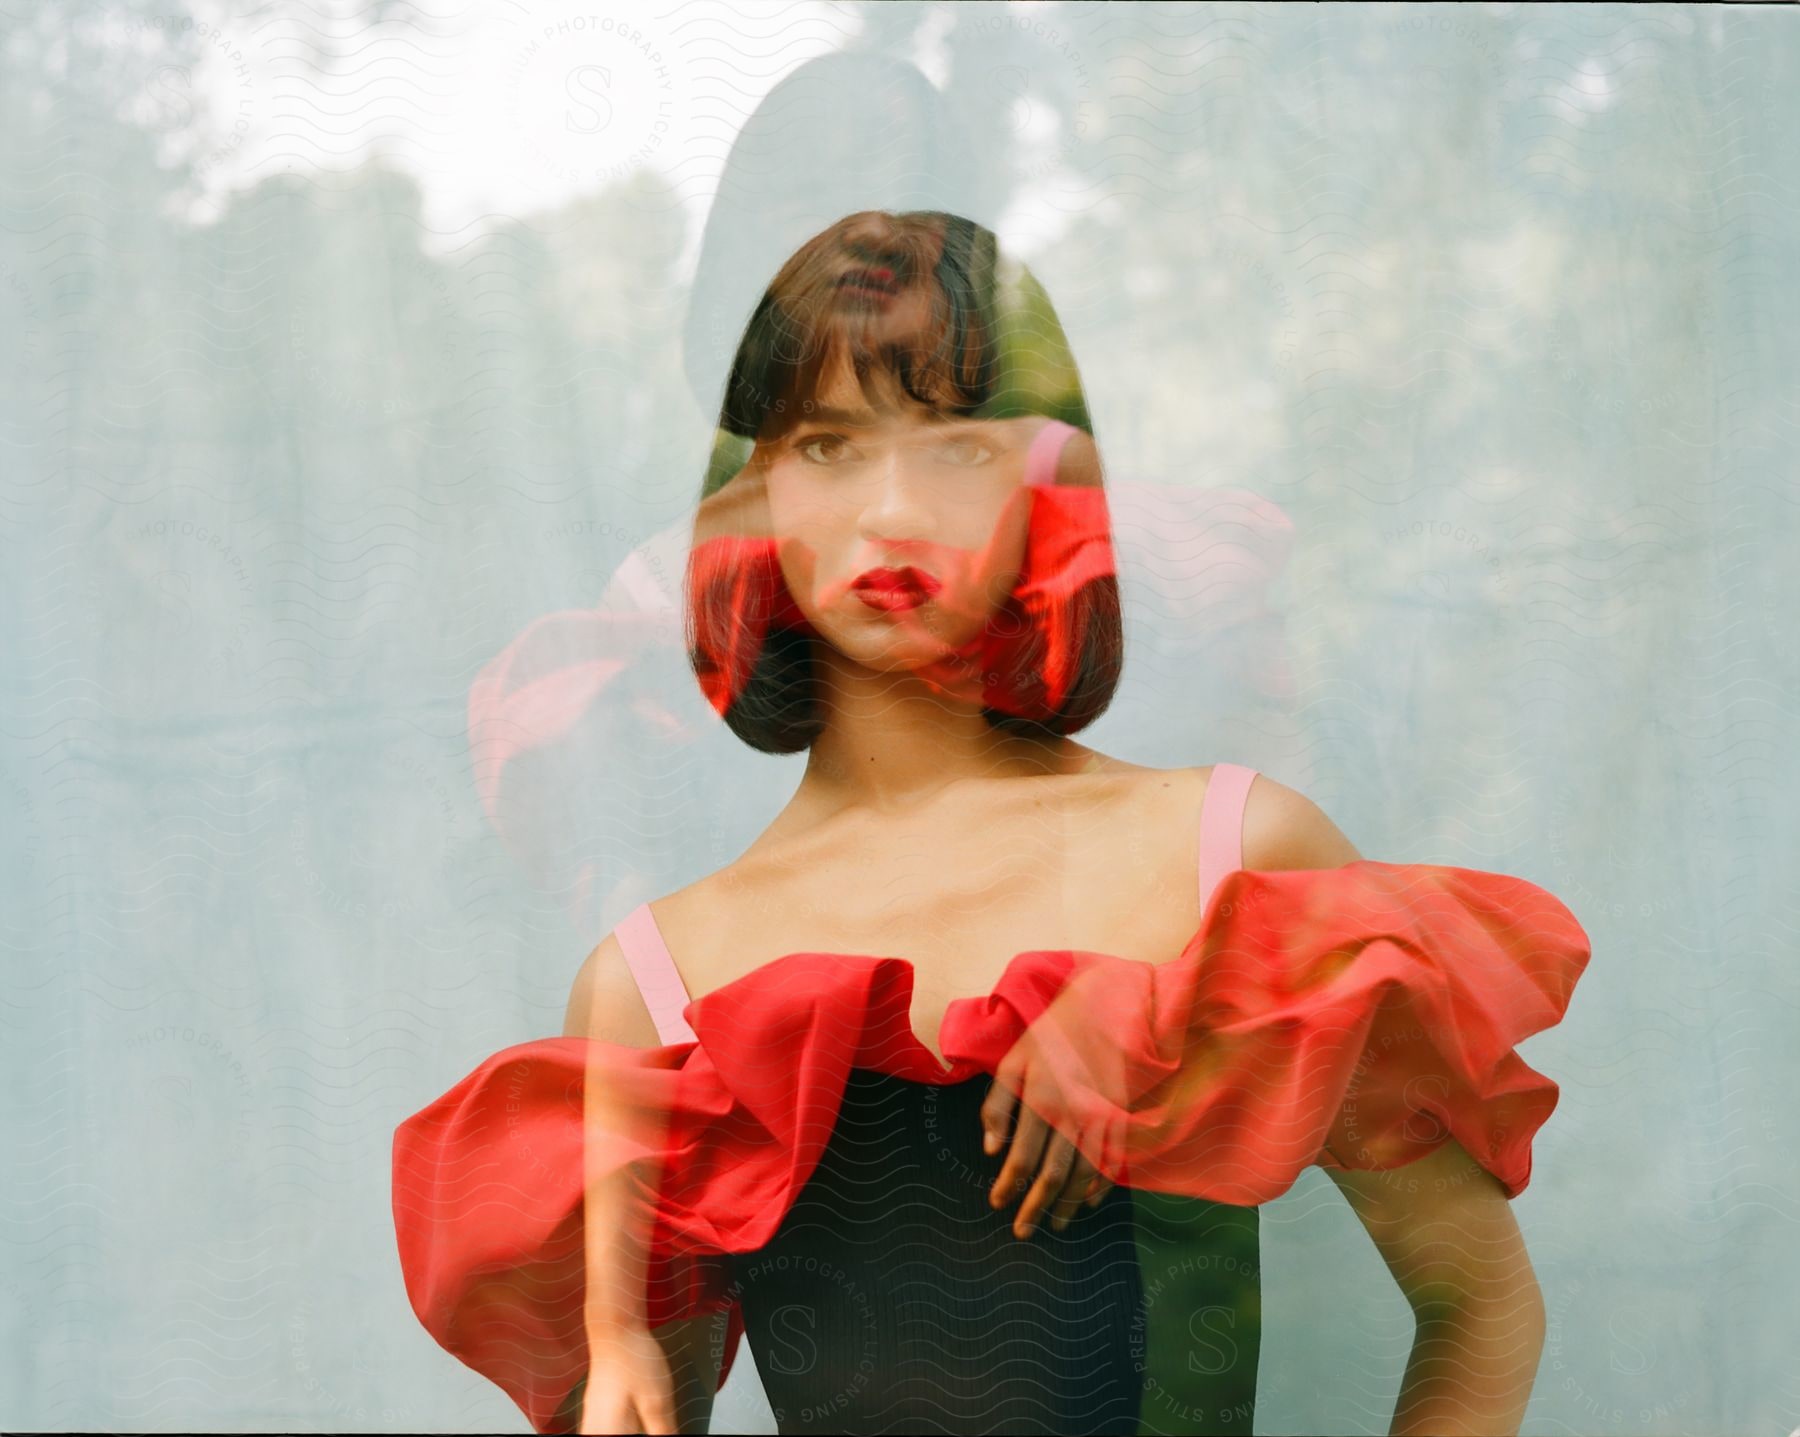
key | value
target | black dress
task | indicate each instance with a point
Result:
(893, 1298)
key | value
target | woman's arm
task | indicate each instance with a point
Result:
(1447, 1233)
(605, 1004)
(1442, 1223)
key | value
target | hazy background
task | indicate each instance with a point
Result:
(341, 342)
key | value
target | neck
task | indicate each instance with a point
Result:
(892, 742)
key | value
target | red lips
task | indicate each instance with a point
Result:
(880, 280)
(901, 581)
(894, 590)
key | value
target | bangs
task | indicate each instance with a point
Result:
(816, 324)
(941, 367)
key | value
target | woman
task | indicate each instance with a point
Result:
(756, 1120)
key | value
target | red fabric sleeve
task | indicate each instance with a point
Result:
(488, 1209)
(488, 1178)
(1355, 1017)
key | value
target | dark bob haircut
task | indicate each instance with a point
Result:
(989, 346)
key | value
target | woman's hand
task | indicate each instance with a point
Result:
(1067, 1063)
(1066, 1178)
(629, 1387)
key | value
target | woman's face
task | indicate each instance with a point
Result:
(900, 530)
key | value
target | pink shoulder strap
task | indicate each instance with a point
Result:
(1222, 825)
(665, 995)
(1046, 446)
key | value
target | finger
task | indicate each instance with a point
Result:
(1021, 1158)
(1052, 1178)
(1111, 1140)
(996, 1117)
(1068, 1202)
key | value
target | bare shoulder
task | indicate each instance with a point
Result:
(605, 1002)
(1283, 828)
(691, 918)
(1104, 768)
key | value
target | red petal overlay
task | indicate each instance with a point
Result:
(1353, 1017)
(1067, 544)
(510, 714)
(736, 595)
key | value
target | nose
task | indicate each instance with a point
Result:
(874, 242)
(899, 506)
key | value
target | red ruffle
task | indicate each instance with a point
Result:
(737, 597)
(1068, 545)
(1354, 1017)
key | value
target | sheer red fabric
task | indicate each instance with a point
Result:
(737, 596)
(1068, 545)
(1355, 1017)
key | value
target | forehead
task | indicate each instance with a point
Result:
(841, 399)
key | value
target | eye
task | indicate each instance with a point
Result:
(804, 446)
(967, 451)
